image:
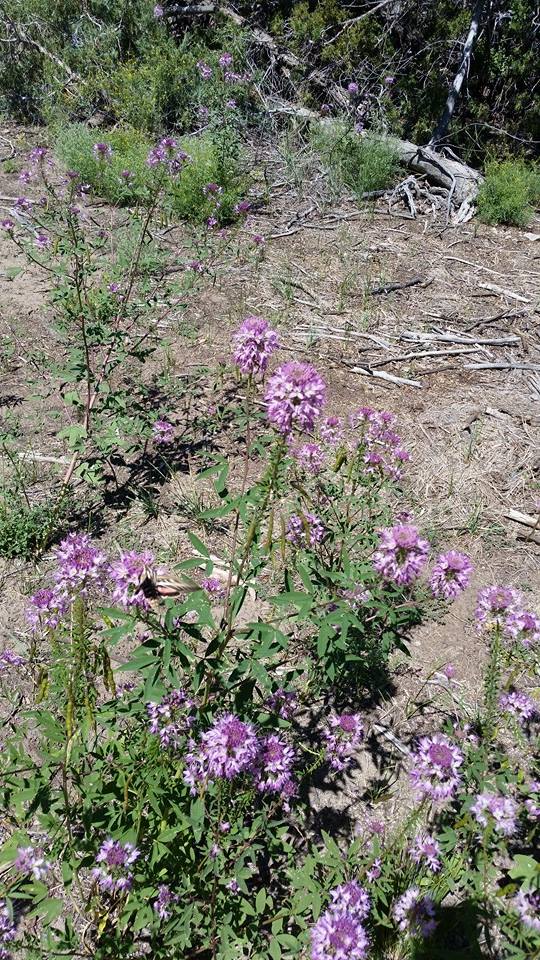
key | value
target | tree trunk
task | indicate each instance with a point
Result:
(455, 89)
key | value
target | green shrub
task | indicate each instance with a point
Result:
(25, 530)
(214, 159)
(360, 163)
(509, 193)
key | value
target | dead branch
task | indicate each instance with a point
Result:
(455, 89)
(390, 287)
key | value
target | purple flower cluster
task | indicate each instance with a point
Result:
(401, 554)
(435, 773)
(167, 154)
(29, 861)
(113, 875)
(255, 344)
(415, 914)
(162, 432)
(205, 71)
(126, 574)
(8, 658)
(295, 396)
(170, 719)
(527, 904)
(339, 933)
(274, 764)
(213, 587)
(355, 596)
(382, 447)
(332, 431)
(80, 565)
(498, 810)
(450, 575)
(310, 457)
(425, 849)
(163, 902)
(102, 151)
(232, 747)
(524, 627)
(284, 703)
(81, 568)
(519, 705)
(494, 605)
(344, 733)
(227, 749)
(305, 530)
(7, 930)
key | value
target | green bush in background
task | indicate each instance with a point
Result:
(215, 158)
(509, 193)
(361, 163)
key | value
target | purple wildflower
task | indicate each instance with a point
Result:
(258, 240)
(212, 222)
(228, 748)
(102, 151)
(164, 900)
(331, 431)
(415, 914)
(283, 702)
(42, 241)
(23, 203)
(355, 596)
(344, 733)
(351, 898)
(501, 811)
(196, 266)
(242, 207)
(7, 930)
(494, 606)
(305, 530)
(352, 88)
(225, 60)
(170, 719)
(519, 705)
(7, 224)
(158, 13)
(435, 773)
(47, 608)
(401, 554)
(274, 764)
(127, 574)
(449, 671)
(425, 849)
(8, 658)
(309, 456)
(79, 563)
(30, 861)
(389, 81)
(255, 343)
(295, 396)
(214, 587)
(527, 904)
(233, 885)
(162, 432)
(375, 870)
(204, 70)
(37, 155)
(338, 936)
(114, 858)
(451, 575)
(126, 175)
(231, 104)
(523, 626)
(25, 176)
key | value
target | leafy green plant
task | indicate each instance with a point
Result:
(213, 159)
(361, 163)
(26, 529)
(509, 193)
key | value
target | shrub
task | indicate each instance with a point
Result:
(214, 159)
(509, 193)
(361, 163)
(26, 530)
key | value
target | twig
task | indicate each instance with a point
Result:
(503, 365)
(493, 288)
(426, 353)
(382, 375)
(524, 518)
(454, 338)
(390, 287)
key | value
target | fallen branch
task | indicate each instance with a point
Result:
(455, 89)
(390, 287)
(426, 353)
(503, 365)
(382, 375)
(525, 519)
(493, 288)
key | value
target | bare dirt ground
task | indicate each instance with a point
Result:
(460, 332)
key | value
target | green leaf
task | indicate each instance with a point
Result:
(198, 544)
(260, 901)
